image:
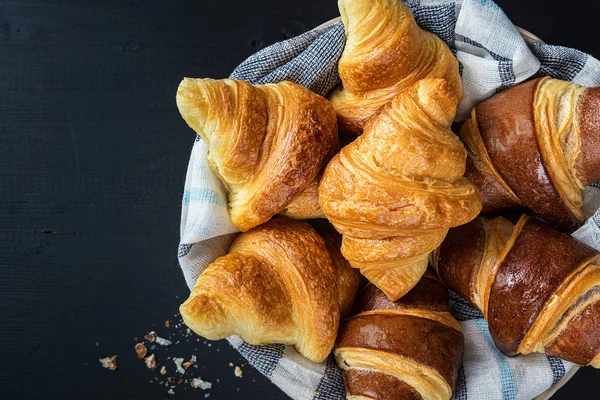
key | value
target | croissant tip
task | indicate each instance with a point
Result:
(186, 85)
(437, 98)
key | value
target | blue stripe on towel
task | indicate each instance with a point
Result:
(557, 367)
(203, 195)
(331, 387)
(506, 377)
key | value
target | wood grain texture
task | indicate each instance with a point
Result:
(93, 156)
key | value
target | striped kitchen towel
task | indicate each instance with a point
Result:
(493, 56)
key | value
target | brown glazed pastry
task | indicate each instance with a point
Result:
(536, 145)
(267, 143)
(538, 288)
(394, 192)
(386, 52)
(408, 349)
(277, 284)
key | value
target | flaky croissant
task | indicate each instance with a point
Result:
(394, 192)
(277, 284)
(408, 349)
(386, 52)
(536, 145)
(267, 143)
(538, 288)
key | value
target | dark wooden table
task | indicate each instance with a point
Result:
(93, 155)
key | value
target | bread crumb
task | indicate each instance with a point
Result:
(163, 342)
(178, 362)
(110, 363)
(231, 364)
(238, 372)
(151, 362)
(140, 350)
(151, 337)
(163, 370)
(187, 364)
(198, 383)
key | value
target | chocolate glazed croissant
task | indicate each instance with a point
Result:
(408, 349)
(277, 284)
(267, 143)
(385, 53)
(394, 192)
(536, 145)
(538, 288)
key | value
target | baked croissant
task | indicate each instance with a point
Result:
(394, 192)
(386, 52)
(538, 288)
(536, 145)
(267, 143)
(408, 349)
(277, 284)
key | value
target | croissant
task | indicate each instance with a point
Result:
(394, 191)
(277, 284)
(408, 349)
(348, 279)
(267, 143)
(538, 288)
(536, 145)
(386, 52)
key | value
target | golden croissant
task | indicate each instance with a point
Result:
(267, 143)
(408, 349)
(538, 288)
(386, 52)
(394, 192)
(277, 284)
(556, 155)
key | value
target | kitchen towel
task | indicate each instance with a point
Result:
(493, 56)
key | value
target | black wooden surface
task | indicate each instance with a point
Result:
(93, 156)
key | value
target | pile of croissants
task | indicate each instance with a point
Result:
(405, 194)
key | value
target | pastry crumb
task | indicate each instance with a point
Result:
(178, 362)
(140, 350)
(238, 372)
(231, 364)
(163, 341)
(151, 362)
(163, 370)
(110, 363)
(151, 337)
(198, 383)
